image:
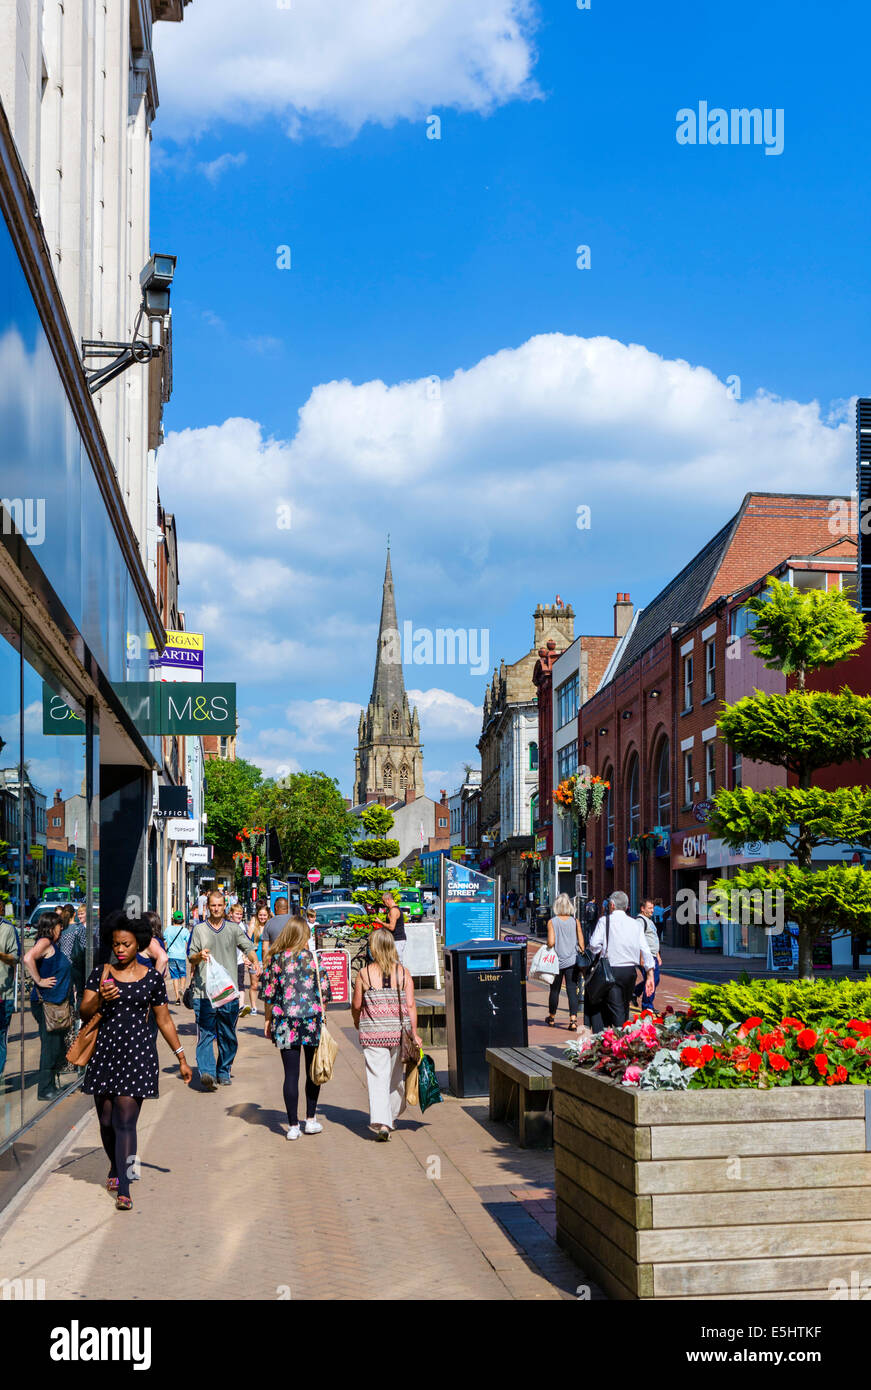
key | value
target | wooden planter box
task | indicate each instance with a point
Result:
(734, 1194)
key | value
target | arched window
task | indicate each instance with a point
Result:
(533, 757)
(388, 776)
(608, 776)
(394, 722)
(662, 806)
(403, 775)
(633, 799)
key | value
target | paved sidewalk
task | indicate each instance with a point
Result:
(227, 1208)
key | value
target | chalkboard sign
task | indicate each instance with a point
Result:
(781, 950)
(821, 953)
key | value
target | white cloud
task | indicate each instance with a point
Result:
(444, 715)
(214, 168)
(480, 490)
(345, 63)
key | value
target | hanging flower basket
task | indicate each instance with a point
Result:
(581, 798)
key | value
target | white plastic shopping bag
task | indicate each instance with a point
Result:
(219, 987)
(545, 965)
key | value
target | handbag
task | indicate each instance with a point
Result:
(58, 1017)
(409, 1051)
(327, 1048)
(601, 977)
(81, 1049)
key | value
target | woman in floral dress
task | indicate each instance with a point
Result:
(289, 987)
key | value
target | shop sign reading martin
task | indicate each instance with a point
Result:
(156, 707)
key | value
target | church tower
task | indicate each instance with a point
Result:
(389, 756)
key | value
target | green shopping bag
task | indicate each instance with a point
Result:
(428, 1087)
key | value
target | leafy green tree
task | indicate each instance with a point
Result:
(802, 731)
(376, 848)
(800, 630)
(233, 790)
(314, 827)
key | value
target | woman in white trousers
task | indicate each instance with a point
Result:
(383, 1004)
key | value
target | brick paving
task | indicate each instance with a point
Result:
(449, 1209)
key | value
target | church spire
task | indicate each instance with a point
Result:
(389, 757)
(388, 685)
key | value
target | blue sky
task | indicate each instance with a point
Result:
(455, 259)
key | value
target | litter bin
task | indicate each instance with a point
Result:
(485, 1006)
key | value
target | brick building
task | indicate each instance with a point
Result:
(650, 727)
(564, 680)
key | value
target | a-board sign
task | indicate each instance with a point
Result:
(821, 953)
(784, 948)
(337, 966)
(422, 955)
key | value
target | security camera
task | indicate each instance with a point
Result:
(155, 280)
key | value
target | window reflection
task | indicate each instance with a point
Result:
(55, 879)
(10, 904)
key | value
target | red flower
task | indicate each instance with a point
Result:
(821, 1062)
(766, 1041)
(707, 1052)
(753, 1022)
(755, 1061)
(847, 1042)
(807, 1038)
(691, 1057)
(778, 1062)
(790, 1023)
(841, 1073)
(863, 1029)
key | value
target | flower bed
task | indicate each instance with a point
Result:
(681, 1052)
(684, 1174)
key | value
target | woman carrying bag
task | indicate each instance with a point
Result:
(293, 995)
(383, 1009)
(51, 973)
(564, 935)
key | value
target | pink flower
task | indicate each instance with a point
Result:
(632, 1075)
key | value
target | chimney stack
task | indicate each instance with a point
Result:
(623, 610)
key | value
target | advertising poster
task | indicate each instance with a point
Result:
(470, 906)
(337, 966)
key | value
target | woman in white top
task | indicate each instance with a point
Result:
(564, 935)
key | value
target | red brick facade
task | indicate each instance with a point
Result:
(624, 728)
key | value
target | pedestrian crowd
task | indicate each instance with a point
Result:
(224, 969)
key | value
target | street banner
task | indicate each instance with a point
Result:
(422, 955)
(469, 904)
(337, 965)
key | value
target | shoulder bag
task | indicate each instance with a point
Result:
(601, 977)
(409, 1051)
(58, 1017)
(81, 1049)
(327, 1048)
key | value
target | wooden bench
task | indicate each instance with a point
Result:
(520, 1093)
(431, 1019)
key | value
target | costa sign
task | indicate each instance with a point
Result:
(694, 846)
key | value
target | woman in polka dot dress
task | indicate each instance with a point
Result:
(124, 1068)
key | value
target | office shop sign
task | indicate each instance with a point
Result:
(165, 708)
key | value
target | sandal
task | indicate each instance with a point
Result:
(573, 1025)
(111, 1184)
(550, 1021)
(123, 1203)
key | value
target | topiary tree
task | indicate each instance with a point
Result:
(376, 849)
(802, 731)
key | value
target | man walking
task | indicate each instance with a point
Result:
(621, 939)
(217, 939)
(652, 938)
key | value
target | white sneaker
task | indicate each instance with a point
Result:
(293, 1132)
(312, 1127)
(253, 1010)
